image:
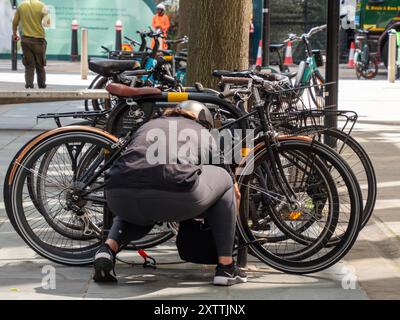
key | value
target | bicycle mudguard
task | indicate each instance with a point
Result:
(31, 144)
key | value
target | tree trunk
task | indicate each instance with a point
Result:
(185, 7)
(184, 17)
(219, 38)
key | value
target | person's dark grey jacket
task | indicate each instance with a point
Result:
(133, 169)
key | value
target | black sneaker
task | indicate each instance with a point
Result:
(42, 86)
(104, 265)
(29, 87)
(229, 275)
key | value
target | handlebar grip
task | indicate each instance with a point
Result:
(106, 49)
(237, 81)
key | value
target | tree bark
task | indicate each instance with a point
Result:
(219, 38)
(185, 7)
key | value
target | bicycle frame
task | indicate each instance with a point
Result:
(311, 63)
(311, 68)
(277, 175)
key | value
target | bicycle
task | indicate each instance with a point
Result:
(366, 63)
(304, 121)
(308, 74)
(108, 145)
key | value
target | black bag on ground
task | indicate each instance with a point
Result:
(196, 243)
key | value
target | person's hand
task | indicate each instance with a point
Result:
(237, 195)
(16, 37)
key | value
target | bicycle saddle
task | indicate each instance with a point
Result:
(233, 74)
(276, 47)
(121, 90)
(109, 68)
(290, 75)
(273, 76)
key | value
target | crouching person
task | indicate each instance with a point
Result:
(141, 193)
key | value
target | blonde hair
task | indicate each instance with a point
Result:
(178, 112)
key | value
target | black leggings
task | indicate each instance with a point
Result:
(138, 210)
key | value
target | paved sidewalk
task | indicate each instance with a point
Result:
(374, 262)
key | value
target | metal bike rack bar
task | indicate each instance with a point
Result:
(34, 96)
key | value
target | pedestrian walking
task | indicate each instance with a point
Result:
(32, 16)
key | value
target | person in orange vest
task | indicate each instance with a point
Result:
(161, 21)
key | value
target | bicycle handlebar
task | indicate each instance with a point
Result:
(235, 80)
(185, 39)
(151, 34)
(294, 37)
(132, 41)
(316, 30)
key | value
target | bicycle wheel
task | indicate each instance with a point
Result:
(370, 66)
(358, 160)
(317, 90)
(305, 225)
(50, 169)
(101, 104)
(30, 222)
(347, 226)
(91, 86)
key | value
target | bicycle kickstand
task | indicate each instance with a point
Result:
(149, 262)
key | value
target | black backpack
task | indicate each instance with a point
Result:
(196, 243)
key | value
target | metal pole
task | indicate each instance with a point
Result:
(332, 62)
(392, 56)
(305, 16)
(266, 33)
(84, 55)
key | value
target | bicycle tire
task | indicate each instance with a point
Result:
(334, 254)
(369, 197)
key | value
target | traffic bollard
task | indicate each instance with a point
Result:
(84, 55)
(392, 57)
(118, 35)
(74, 40)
